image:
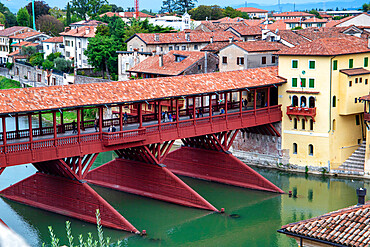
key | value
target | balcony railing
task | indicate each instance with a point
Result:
(301, 111)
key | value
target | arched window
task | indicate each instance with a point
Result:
(311, 124)
(303, 101)
(295, 148)
(295, 101)
(310, 149)
(311, 101)
(303, 124)
(334, 101)
(295, 123)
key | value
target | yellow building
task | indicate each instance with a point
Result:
(322, 121)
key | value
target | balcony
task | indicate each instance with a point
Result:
(367, 117)
(301, 111)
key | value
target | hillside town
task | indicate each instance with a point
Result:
(269, 101)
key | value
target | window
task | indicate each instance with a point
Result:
(355, 100)
(68, 54)
(294, 82)
(356, 80)
(263, 60)
(303, 82)
(311, 83)
(177, 47)
(39, 77)
(47, 47)
(224, 59)
(334, 101)
(294, 64)
(295, 147)
(357, 119)
(350, 63)
(311, 102)
(195, 47)
(311, 124)
(130, 47)
(350, 83)
(273, 59)
(295, 100)
(310, 149)
(170, 48)
(360, 79)
(295, 123)
(79, 44)
(366, 61)
(183, 48)
(72, 43)
(303, 124)
(311, 64)
(240, 60)
(142, 48)
(199, 67)
(365, 81)
(79, 56)
(335, 64)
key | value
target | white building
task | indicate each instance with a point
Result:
(127, 60)
(53, 45)
(178, 23)
(254, 12)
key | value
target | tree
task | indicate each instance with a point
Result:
(2, 18)
(232, 13)
(184, 5)
(63, 65)
(314, 12)
(105, 8)
(53, 56)
(102, 30)
(28, 50)
(203, 12)
(49, 25)
(10, 19)
(95, 6)
(68, 15)
(23, 17)
(46, 64)
(37, 59)
(168, 6)
(116, 8)
(80, 8)
(365, 7)
(41, 8)
(57, 13)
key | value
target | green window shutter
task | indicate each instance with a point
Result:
(294, 64)
(294, 82)
(335, 64)
(311, 83)
(366, 61)
(303, 82)
(351, 63)
(312, 65)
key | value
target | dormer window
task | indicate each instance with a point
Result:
(179, 58)
(156, 37)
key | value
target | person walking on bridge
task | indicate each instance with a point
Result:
(74, 130)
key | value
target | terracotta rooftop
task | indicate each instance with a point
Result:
(293, 14)
(251, 10)
(310, 20)
(229, 20)
(84, 31)
(180, 37)
(93, 23)
(277, 25)
(329, 47)
(25, 35)
(246, 30)
(11, 30)
(67, 96)
(131, 15)
(215, 47)
(254, 22)
(345, 227)
(58, 39)
(314, 33)
(356, 71)
(23, 43)
(170, 66)
(291, 37)
(111, 14)
(208, 26)
(260, 46)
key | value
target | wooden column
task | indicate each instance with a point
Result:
(187, 105)
(171, 106)
(159, 115)
(120, 118)
(240, 101)
(202, 103)
(140, 113)
(177, 113)
(82, 119)
(4, 132)
(55, 127)
(194, 113)
(101, 122)
(61, 122)
(79, 125)
(40, 123)
(255, 99)
(155, 109)
(268, 97)
(17, 125)
(210, 107)
(30, 128)
(225, 96)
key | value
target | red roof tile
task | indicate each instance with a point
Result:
(314, 33)
(111, 14)
(93, 23)
(215, 47)
(355, 71)
(131, 15)
(180, 37)
(260, 46)
(23, 43)
(251, 10)
(56, 97)
(229, 20)
(170, 66)
(84, 31)
(24, 35)
(293, 14)
(11, 30)
(291, 37)
(58, 39)
(329, 47)
(253, 22)
(208, 26)
(246, 30)
(277, 25)
(349, 227)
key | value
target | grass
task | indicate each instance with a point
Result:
(6, 83)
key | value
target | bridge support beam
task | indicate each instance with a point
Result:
(209, 159)
(67, 197)
(140, 171)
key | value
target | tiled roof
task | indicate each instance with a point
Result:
(11, 30)
(291, 37)
(131, 15)
(329, 47)
(346, 227)
(212, 26)
(314, 33)
(93, 23)
(58, 39)
(24, 35)
(355, 71)
(245, 30)
(292, 14)
(315, 20)
(170, 66)
(111, 14)
(180, 37)
(253, 22)
(294, 20)
(84, 31)
(215, 47)
(251, 10)
(229, 20)
(23, 43)
(57, 97)
(260, 46)
(277, 25)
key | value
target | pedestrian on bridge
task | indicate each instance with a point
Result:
(74, 130)
(96, 124)
(170, 117)
(125, 118)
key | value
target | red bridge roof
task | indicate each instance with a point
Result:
(69, 96)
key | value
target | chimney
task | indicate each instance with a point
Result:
(87, 30)
(67, 29)
(361, 193)
(160, 60)
(211, 40)
(156, 37)
(231, 39)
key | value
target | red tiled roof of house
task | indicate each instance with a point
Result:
(326, 16)
(170, 66)
(228, 20)
(84, 31)
(355, 71)
(260, 46)
(291, 37)
(314, 33)
(246, 30)
(212, 26)
(346, 227)
(93, 23)
(57, 97)
(13, 53)
(131, 15)
(332, 23)
(315, 20)
(11, 30)
(24, 35)
(277, 25)
(329, 47)
(215, 47)
(23, 43)
(294, 20)
(180, 37)
(111, 14)
(293, 14)
(254, 22)
(251, 10)
(58, 39)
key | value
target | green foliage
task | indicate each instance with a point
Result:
(68, 15)
(9, 65)
(63, 65)
(10, 19)
(203, 12)
(36, 59)
(2, 18)
(23, 17)
(105, 8)
(232, 13)
(49, 25)
(297, 28)
(53, 56)
(306, 169)
(365, 7)
(102, 30)
(168, 6)
(46, 64)
(116, 8)
(314, 12)
(95, 6)
(6, 83)
(28, 50)
(184, 5)
(85, 8)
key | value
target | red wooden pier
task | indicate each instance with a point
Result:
(208, 111)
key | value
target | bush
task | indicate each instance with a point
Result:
(9, 65)
(47, 65)
(37, 59)
(53, 56)
(63, 65)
